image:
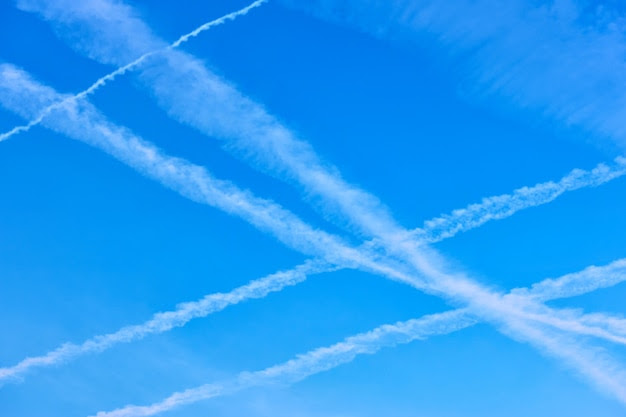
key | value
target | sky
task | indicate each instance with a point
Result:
(334, 123)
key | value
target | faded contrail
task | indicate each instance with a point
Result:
(121, 70)
(326, 358)
(221, 111)
(22, 94)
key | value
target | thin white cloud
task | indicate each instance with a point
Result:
(100, 82)
(23, 95)
(561, 58)
(193, 95)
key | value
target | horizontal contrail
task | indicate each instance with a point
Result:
(326, 358)
(221, 111)
(21, 94)
(100, 82)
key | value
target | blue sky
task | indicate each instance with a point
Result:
(429, 115)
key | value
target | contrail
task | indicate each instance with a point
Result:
(505, 205)
(310, 363)
(21, 94)
(589, 279)
(165, 321)
(326, 358)
(178, 79)
(570, 285)
(100, 82)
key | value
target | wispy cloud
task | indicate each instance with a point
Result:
(561, 58)
(100, 82)
(23, 95)
(195, 96)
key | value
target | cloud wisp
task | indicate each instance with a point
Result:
(562, 59)
(100, 82)
(23, 95)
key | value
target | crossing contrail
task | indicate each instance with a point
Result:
(22, 94)
(100, 82)
(179, 79)
(588, 280)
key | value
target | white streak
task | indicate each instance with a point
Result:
(563, 59)
(502, 206)
(165, 321)
(590, 279)
(310, 363)
(326, 358)
(123, 69)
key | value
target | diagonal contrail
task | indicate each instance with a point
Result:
(312, 362)
(100, 82)
(570, 285)
(326, 358)
(505, 205)
(165, 321)
(177, 79)
(21, 94)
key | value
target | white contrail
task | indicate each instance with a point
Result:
(589, 279)
(312, 362)
(123, 69)
(502, 206)
(224, 112)
(178, 79)
(326, 358)
(22, 94)
(165, 321)
(570, 285)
